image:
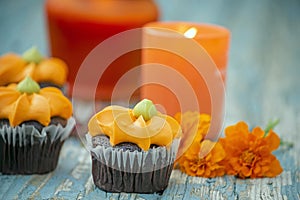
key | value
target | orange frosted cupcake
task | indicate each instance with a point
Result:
(34, 123)
(133, 150)
(45, 71)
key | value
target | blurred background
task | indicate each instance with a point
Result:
(263, 70)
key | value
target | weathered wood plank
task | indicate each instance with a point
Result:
(74, 181)
(17, 187)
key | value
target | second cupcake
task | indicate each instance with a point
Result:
(34, 124)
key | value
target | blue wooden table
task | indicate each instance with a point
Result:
(263, 84)
(72, 180)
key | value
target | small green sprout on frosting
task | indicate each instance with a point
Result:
(32, 55)
(28, 86)
(145, 108)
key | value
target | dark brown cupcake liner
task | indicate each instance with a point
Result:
(29, 159)
(24, 150)
(112, 180)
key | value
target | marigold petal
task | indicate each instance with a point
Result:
(193, 167)
(275, 169)
(234, 161)
(265, 161)
(234, 147)
(265, 168)
(207, 173)
(230, 131)
(220, 172)
(245, 172)
(273, 140)
(195, 147)
(242, 126)
(218, 153)
(257, 169)
(191, 131)
(263, 151)
(206, 147)
(239, 133)
(188, 171)
(231, 172)
(258, 132)
(200, 171)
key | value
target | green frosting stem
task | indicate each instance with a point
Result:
(145, 108)
(28, 86)
(32, 55)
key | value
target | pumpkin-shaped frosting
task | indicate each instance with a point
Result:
(124, 125)
(14, 68)
(26, 101)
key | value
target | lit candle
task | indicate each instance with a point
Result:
(177, 71)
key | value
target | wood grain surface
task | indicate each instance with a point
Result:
(263, 83)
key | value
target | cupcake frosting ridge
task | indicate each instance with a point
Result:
(51, 70)
(24, 102)
(139, 126)
(14, 68)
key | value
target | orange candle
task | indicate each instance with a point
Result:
(77, 26)
(173, 66)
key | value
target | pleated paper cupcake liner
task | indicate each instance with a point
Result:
(25, 150)
(115, 170)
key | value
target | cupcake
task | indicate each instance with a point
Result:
(132, 150)
(46, 71)
(34, 124)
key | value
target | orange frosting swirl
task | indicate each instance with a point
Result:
(14, 68)
(20, 107)
(51, 70)
(121, 125)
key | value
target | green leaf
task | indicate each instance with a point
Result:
(271, 125)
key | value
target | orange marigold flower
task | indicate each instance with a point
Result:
(203, 159)
(249, 154)
(194, 128)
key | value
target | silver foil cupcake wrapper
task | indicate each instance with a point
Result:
(136, 161)
(27, 134)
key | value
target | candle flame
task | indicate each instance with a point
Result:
(190, 33)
